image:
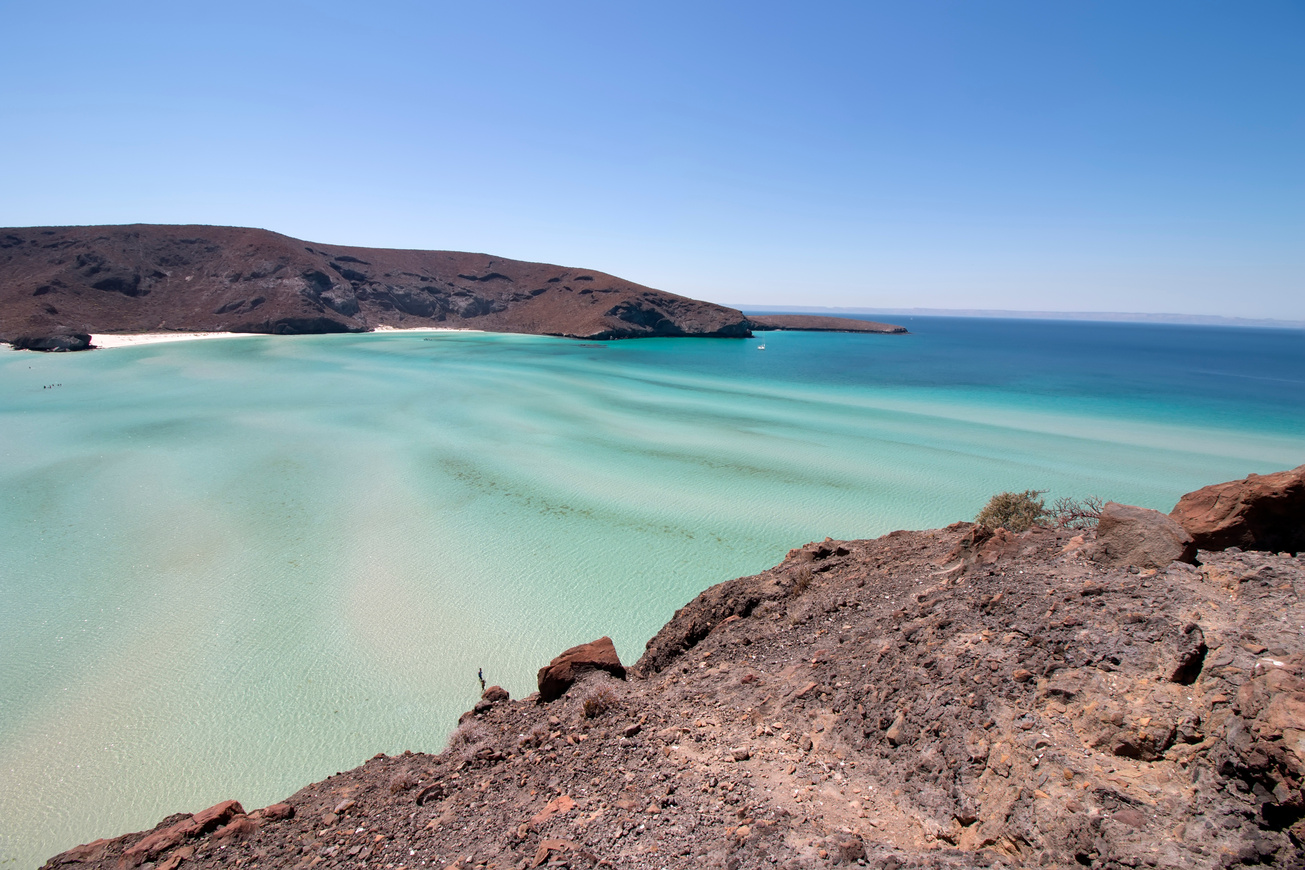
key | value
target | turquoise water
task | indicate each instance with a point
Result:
(233, 567)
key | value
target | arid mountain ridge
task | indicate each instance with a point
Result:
(955, 698)
(59, 283)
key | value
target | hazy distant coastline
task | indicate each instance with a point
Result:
(1099, 316)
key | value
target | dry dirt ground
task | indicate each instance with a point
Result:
(926, 699)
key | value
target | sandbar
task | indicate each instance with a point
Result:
(423, 329)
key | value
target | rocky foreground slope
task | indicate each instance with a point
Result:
(948, 698)
(57, 283)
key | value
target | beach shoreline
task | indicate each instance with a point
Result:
(104, 341)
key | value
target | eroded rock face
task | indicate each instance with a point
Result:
(1259, 512)
(599, 655)
(1128, 535)
(56, 342)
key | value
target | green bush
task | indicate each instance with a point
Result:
(1014, 511)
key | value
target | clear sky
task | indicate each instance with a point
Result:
(1076, 156)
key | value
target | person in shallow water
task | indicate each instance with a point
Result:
(480, 675)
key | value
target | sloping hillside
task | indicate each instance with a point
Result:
(145, 278)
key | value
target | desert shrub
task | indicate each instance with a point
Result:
(598, 702)
(1069, 513)
(402, 781)
(468, 735)
(802, 579)
(1014, 511)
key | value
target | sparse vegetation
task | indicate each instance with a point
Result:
(1014, 511)
(469, 734)
(1020, 511)
(598, 702)
(1069, 513)
(802, 578)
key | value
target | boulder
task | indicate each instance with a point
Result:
(1259, 512)
(561, 672)
(1128, 535)
(488, 698)
(277, 812)
(163, 838)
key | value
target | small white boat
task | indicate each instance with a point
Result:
(761, 347)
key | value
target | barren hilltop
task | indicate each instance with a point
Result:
(1129, 696)
(58, 285)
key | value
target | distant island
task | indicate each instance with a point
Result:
(59, 285)
(1097, 316)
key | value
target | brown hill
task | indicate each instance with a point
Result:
(945, 699)
(60, 281)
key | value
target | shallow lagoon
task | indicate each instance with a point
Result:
(233, 567)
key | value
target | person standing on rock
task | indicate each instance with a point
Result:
(480, 675)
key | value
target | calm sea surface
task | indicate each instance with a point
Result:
(229, 568)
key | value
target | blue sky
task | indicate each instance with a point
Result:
(1076, 156)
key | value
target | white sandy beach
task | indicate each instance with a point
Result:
(104, 340)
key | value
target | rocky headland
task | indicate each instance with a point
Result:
(819, 323)
(60, 285)
(962, 697)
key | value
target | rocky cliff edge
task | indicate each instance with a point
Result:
(943, 699)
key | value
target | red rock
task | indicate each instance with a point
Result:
(548, 847)
(87, 853)
(185, 853)
(560, 804)
(1130, 817)
(202, 822)
(1002, 543)
(277, 812)
(561, 672)
(1128, 535)
(238, 828)
(207, 820)
(491, 696)
(158, 841)
(1259, 512)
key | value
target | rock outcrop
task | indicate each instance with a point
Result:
(1128, 535)
(942, 699)
(57, 282)
(559, 674)
(57, 341)
(1259, 512)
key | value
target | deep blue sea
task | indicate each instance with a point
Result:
(231, 567)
